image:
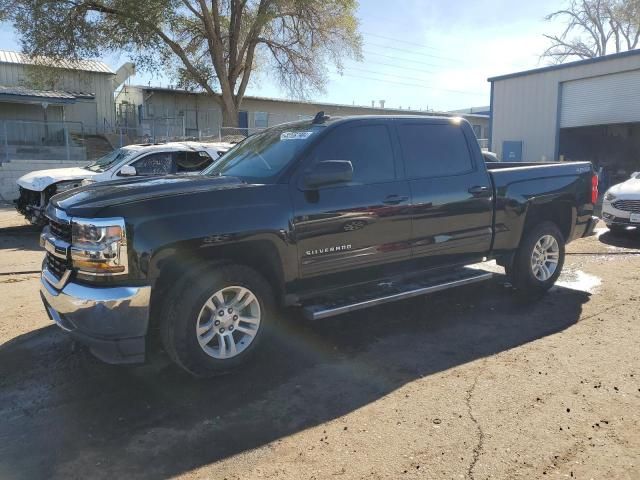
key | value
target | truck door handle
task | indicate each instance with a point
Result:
(395, 199)
(478, 190)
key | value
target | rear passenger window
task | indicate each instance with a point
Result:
(434, 150)
(368, 147)
(192, 161)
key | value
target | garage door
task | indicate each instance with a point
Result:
(601, 100)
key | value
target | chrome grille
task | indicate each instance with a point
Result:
(56, 265)
(61, 230)
(632, 206)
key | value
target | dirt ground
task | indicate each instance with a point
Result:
(464, 384)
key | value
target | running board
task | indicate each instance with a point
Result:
(390, 292)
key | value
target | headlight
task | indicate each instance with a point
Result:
(609, 197)
(99, 246)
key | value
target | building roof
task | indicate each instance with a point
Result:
(316, 104)
(29, 95)
(18, 58)
(477, 110)
(578, 63)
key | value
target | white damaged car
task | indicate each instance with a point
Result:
(621, 205)
(36, 188)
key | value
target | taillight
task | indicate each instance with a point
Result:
(594, 188)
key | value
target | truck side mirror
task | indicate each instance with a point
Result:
(328, 172)
(128, 171)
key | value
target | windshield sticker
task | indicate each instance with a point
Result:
(295, 135)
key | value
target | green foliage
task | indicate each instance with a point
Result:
(213, 46)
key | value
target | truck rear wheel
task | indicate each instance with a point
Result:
(216, 319)
(538, 260)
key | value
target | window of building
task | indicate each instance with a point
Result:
(261, 119)
(367, 147)
(434, 150)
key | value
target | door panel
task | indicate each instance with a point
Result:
(347, 227)
(452, 204)
(364, 223)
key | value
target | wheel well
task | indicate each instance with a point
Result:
(559, 212)
(261, 256)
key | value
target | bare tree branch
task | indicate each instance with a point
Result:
(593, 28)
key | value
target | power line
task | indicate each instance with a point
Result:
(368, 52)
(412, 52)
(404, 77)
(399, 67)
(410, 84)
(399, 40)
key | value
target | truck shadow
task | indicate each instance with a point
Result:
(20, 238)
(65, 414)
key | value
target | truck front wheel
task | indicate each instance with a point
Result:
(216, 319)
(538, 260)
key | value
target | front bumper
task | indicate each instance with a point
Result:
(613, 216)
(30, 204)
(111, 321)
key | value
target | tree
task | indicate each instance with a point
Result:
(594, 28)
(214, 46)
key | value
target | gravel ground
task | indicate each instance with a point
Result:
(468, 384)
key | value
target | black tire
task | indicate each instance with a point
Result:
(617, 230)
(186, 300)
(521, 271)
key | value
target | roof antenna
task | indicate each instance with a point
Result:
(319, 118)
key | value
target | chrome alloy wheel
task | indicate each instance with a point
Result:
(228, 322)
(545, 258)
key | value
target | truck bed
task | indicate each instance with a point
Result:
(521, 188)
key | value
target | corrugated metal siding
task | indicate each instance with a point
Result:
(607, 99)
(526, 107)
(17, 58)
(13, 74)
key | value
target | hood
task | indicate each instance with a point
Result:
(41, 179)
(629, 190)
(104, 194)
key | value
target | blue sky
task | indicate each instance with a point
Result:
(417, 53)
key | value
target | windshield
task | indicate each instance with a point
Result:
(264, 155)
(112, 158)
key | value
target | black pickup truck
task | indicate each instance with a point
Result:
(328, 216)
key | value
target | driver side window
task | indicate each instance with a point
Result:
(155, 164)
(367, 147)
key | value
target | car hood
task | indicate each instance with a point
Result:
(104, 194)
(41, 179)
(629, 190)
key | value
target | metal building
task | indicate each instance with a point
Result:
(159, 112)
(584, 110)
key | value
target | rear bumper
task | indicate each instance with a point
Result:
(591, 226)
(111, 321)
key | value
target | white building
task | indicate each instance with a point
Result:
(165, 112)
(584, 110)
(73, 91)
